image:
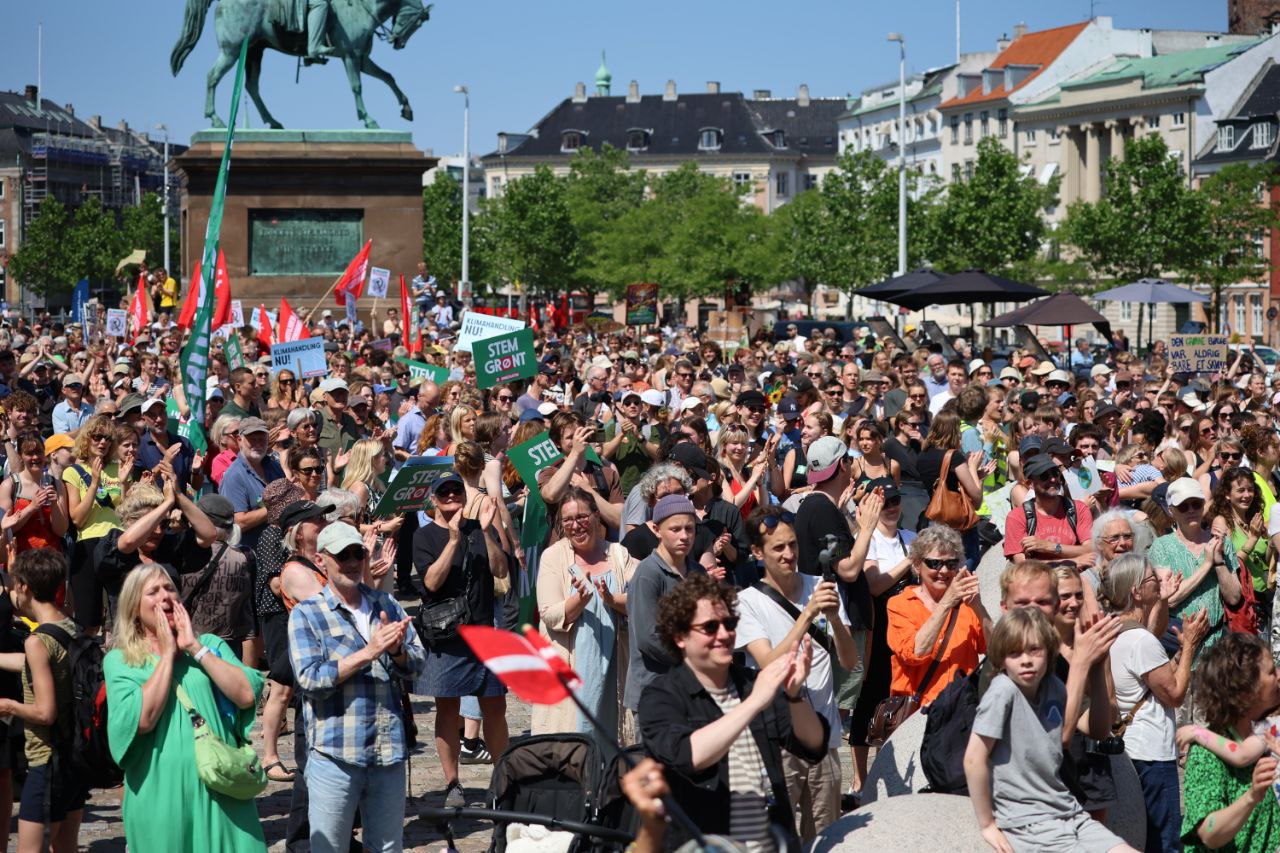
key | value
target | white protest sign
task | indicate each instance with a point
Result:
(1198, 353)
(237, 314)
(117, 322)
(476, 326)
(1084, 480)
(305, 357)
(378, 281)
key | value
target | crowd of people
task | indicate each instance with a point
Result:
(756, 555)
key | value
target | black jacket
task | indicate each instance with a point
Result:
(676, 705)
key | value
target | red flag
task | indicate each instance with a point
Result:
(517, 664)
(264, 329)
(222, 293)
(417, 345)
(289, 326)
(558, 664)
(138, 308)
(352, 281)
(192, 302)
(404, 311)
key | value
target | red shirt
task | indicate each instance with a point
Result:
(1051, 528)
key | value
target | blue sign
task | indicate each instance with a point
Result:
(305, 358)
(79, 299)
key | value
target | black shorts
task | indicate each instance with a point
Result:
(1095, 787)
(58, 791)
(275, 642)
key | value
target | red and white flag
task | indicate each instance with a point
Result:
(265, 339)
(526, 670)
(289, 326)
(404, 311)
(352, 281)
(192, 300)
(195, 296)
(138, 308)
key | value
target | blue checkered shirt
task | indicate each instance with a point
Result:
(359, 721)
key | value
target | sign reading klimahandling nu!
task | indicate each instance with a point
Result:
(504, 358)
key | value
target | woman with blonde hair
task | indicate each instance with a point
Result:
(366, 465)
(462, 426)
(285, 393)
(156, 655)
(744, 489)
(93, 492)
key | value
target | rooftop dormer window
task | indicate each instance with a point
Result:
(1263, 134)
(1226, 137)
(709, 139)
(571, 140)
(637, 139)
(779, 139)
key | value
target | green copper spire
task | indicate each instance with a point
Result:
(603, 78)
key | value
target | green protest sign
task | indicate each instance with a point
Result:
(505, 357)
(438, 375)
(412, 484)
(532, 456)
(235, 356)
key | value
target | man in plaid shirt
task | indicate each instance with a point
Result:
(348, 645)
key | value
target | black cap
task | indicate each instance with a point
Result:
(1029, 399)
(1041, 463)
(1103, 410)
(751, 397)
(788, 408)
(690, 456)
(801, 383)
(1057, 447)
(444, 481)
(887, 485)
(298, 512)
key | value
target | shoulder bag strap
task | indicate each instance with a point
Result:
(59, 635)
(946, 469)
(937, 656)
(794, 612)
(212, 567)
(1029, 512)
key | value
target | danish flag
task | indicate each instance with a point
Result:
(528, 665)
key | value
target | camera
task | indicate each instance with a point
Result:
(1110, 745)
(827, 557)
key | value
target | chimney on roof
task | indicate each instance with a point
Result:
(122, 125)
(30, 93)
(71, 110)
(1019, 30)
(633, 92)
(713, 87)
(1002, 43)
(95, 122)
(1103, 21)
(580, 93)
(802, 98)
(762, 94)
(669, 93)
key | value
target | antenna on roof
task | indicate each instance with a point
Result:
(957, 32)
(39, 62)
(1093, 8)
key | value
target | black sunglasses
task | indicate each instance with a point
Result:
(952, 563)
(712, 626)
(772, 521)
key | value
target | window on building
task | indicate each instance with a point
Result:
(779, 139)
(2, 237)
(742, 179)
(968, 128)
(955, 173)
(1153, 121)
(968, 170)
(1255, 313)
(1, 187)
(570, 140)
(1029, 137)
(955, 130)
(810, 180)
(637, 140)
(1226, 137)
(709, 139)
(1126, 312)
(1176, 156)
(1054, 136)
(1239, 306)
(1179, 119)
(1264, 133)
(1259, 239)
(1002, 126)
(984, 127)
(783, 184)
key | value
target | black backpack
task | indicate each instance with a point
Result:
(1029, 511)
(90, 754)
(948, 724)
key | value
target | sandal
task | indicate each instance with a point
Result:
(287, 775)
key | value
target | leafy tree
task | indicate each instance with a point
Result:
(1147, 223)
(535, 242)
(94, 244)
(41, 263)
(1236, 212)
(442, 227)
(142, 227)
(994, 219)
(600, 191)
(800, 240)
(861, 201)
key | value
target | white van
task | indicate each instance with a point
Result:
(1269, 356)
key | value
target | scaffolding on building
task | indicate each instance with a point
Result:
(74, 168)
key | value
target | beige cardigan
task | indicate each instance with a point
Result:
(553, 588)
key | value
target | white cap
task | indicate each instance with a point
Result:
(1099, 370)
(546, 409)
(332, 384)
(689, 403)
(151, 403)
(1184, 489)
(1058, 376)
(654, 397)
(975, 365)
(338, 537)
(1011, 373)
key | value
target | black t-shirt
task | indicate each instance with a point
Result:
(929, 466)
(817, 517)
(906, 455)
(178, 553)
(429, 543)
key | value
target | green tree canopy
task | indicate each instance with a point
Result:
(41, 264)
(142, 227)
(442, 227)
(600, 191)
(535, 241)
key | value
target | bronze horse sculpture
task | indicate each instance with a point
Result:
(350, 28)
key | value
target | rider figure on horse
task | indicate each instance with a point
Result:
(312, 18)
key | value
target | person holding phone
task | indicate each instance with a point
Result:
(33, 501)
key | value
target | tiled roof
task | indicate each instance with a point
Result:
(1264, 100)
(1170, 69)
(1039, 48)
(810, 129)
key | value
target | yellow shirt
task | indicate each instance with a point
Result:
(102, 519)
(169, 293)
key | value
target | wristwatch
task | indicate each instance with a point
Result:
(1057, 549)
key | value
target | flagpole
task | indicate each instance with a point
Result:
(326, 296)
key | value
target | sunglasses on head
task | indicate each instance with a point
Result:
(952, 563)
(712, 626)
(772, 521)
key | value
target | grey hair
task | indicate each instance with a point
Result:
(338, 502)
(659, 474)
(220, 426)
(1141, 532)
(936, 537)
(301, 415)
(1122, 576)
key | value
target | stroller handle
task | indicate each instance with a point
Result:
(439, 815)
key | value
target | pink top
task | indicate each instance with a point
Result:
(221, 463)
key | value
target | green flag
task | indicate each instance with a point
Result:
(195, 358)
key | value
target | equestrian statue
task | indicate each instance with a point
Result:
(312, 30)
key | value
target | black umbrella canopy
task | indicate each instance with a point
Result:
(968, 287)
(1060, 309)
(904, 283)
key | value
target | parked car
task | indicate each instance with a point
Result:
(1269, 356)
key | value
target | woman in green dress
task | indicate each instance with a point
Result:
(166, 806)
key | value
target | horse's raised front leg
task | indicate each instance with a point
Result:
(252, 73)
(224, 63)
(352, 65)
(376, 71)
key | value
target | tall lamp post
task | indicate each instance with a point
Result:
(902, 151)
(464, 286)
(164, 198)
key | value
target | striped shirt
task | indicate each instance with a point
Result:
(748, 783)
(359, 721)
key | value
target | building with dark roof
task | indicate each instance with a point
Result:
(777, 147)
(1246, 134)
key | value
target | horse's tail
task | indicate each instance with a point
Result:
(192, 25)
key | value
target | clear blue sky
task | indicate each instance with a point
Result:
(111, 57)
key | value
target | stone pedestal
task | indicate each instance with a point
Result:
(300, 204)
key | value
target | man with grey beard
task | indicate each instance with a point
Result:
(247, 476)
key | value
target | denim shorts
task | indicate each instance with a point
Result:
(61, 792)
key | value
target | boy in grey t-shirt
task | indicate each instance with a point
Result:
(1015, 751)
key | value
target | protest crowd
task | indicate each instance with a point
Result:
(759, 560)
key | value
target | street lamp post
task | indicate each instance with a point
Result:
(164, 197)
(464, 286)
(902, 151)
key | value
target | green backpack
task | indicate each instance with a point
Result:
(226, 769)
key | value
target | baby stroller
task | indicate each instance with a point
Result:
(553, 781)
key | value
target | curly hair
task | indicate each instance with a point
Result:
(935, 537)
(676, 608)
(1255, 439)
(1220, 504)
(1227, 678)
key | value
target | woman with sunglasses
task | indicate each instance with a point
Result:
(1227, 453)
(93, 493)
(1236, 514)
(285, 393)
(1224, 415)
(304, 427)
(458, 557)
(33, 502)
(918, 618)
(224, 435)
(1204, 436)
(582, 604)
(306, 468)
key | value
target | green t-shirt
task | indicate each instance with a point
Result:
(1210, 785)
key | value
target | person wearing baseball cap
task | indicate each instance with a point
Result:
(155, 441)
(752, 407)
(247, 477)
(338, 430)
(1050, 526)
(72, 411)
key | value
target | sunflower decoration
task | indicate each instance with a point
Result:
(774, 390)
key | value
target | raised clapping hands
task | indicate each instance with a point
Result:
(388, 636)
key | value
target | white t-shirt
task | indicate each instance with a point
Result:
(363, 618)
(888, 551)
(939, 400)
(762, 618)
(1150, 737)
(1273, 523)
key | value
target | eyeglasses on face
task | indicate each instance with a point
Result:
(350, 554)
(577, 520)
(450, 494)
(1119, 537)
(1230, 457)
(936, 565)
(917, 396)
(712, 626)
(505, 398)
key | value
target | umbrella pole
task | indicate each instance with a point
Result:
(1138, 340)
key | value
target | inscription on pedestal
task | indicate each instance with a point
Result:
(303, 242)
